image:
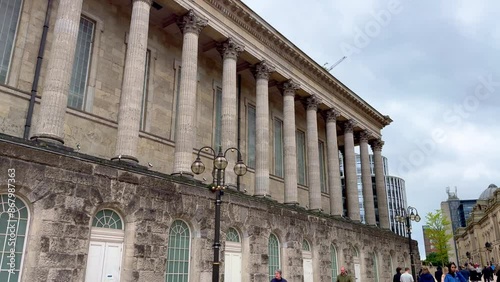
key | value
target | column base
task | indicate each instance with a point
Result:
(315, 210)
(125, 158)
(51, 143)
(184, 174)
(292, 204)
(48, 138)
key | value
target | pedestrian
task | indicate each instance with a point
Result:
(453, 274)
(475, 273)
(445, 271)
(425, 276)
(487, 273)
(344, 276)
(397, 276)
(278, 277)
(465, 271)
(406, 277)
(438, 274)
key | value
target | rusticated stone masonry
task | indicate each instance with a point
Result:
(64, 191)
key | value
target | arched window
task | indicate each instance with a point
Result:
(179, 241)
(13, 230)
(274, 255)
(335, 268)
(106, 247)
(307, 261)
(232, 256)
(232, 235)
(375, 268)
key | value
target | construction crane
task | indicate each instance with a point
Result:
(334, 65)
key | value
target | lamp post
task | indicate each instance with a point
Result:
(407, 216)
(217, 186)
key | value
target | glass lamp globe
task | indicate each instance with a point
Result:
(197, 167)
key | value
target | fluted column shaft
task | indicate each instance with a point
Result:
(229, 123)
(133, 82)
(290, 143)
(50, 122)
(313, 153)
(334, 183)
(191, 26)
(383, 212)
(262, 72)
(366, 178)
(350, 173)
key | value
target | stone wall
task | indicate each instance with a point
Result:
(64, 190)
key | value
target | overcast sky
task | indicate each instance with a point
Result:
(432, 66)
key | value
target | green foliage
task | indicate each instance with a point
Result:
(438, 225)
(432, 258)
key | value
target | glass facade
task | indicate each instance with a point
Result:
(278, 147)
(251, 131)
(300, 137)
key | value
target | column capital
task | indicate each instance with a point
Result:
(364, 136)
(377, 144)
(263, 70)
(191, 22)
(348, 126)
(289, 87)
(313, 102)
(230, 48)
(149, 2)
(332, 115)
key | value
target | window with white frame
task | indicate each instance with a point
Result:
(145, 90)
(300, 136)
(251, 132)
(9, 19)
(322, 172)
(81, 65)
(278, 147)
(178, 254)
(274, 255)
(218, 118)
(106, 247)
(232, 256)
(307, 261)
(19, 218)
(334, 260)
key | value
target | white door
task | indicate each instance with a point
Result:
(357, 272)
(232, 267)
(308, 270)
(104, 262)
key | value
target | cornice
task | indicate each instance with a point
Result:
(243, 16)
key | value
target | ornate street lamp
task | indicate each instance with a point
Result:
(217, 186)
(406, 216)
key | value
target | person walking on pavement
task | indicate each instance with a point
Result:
(465, 271)
(438, 274)
(344, 276)
(453, 274)
(475, 273)
(277, 276)
(406, 277)
(397, 276)
(425, 276)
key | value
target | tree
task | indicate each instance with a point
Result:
(433, 259)
(436, 232)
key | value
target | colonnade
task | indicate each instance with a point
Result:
(50, 125)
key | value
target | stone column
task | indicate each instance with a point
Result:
(230, 51)
(50, 121)
(383, 212)
(262, 72)
(334, 183)
(290, 144)
(351, 180)
(133, 82)
(366, 178)
(313, 153)
(191, 26)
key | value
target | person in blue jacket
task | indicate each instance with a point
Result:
(453, 274)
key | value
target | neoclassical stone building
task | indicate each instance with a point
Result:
(104, 105)
(480, 239)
